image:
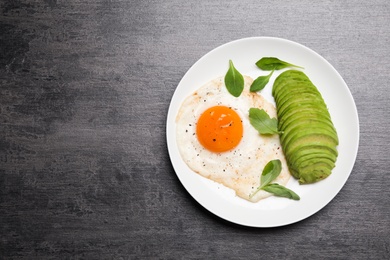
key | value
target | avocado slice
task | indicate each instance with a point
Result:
(302, 119)
(304, 115)
(295, 95)
(288, 83)
(314, 173)
(288, 76)
(294, 172)
(293, 108)
(286, 87)
(289, 138)
(304, 129)
(300, 113)
(317, 160)
(306, 155)
(305, 98)
(311, 149)
(313, 164)
(294, 92)
(320, 156)
(308, 137)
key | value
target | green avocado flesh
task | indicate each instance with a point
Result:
(301, 120)
(295, 91)
(291, 138)
(303, 114)
(304, 104)
(308, 136)
(289, 76)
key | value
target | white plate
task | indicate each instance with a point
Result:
(273, 211)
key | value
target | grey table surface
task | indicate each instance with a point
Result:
(85, 88)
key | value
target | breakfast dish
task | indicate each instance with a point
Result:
(219, 193)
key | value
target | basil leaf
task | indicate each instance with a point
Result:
(272, 63)
(260, 82)
(234, 81)
(281, 191)
(262, 122)
(271, 170)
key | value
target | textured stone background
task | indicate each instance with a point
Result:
(84, 92)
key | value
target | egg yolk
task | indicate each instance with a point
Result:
(219, 129)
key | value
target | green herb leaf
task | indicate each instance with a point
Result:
(260, 82)
(234, 81)
(262, 122)
(272, 63)
(270, 172)
(281, 191)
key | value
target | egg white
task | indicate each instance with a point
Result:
(240, 168)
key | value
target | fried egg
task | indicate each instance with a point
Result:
(217, 141)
